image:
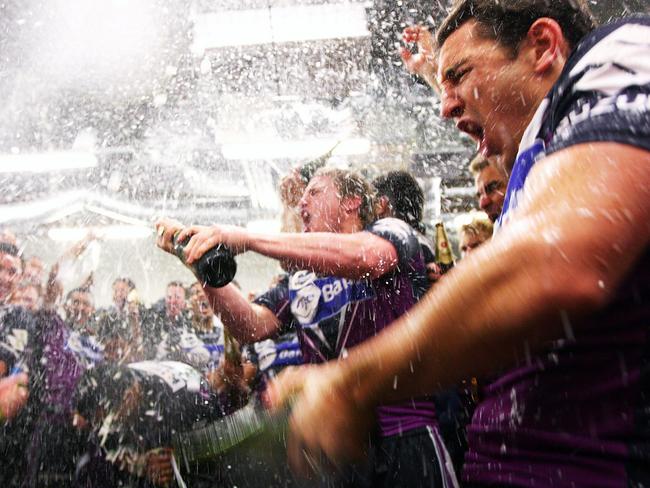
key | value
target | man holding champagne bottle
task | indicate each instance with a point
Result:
(353, 276)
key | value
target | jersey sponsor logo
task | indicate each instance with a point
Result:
(271, 354)
(304, 303)
(314, 299)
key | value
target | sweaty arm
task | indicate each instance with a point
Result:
(246, 321)
(584, 223)
(346, 255)
(355, 255)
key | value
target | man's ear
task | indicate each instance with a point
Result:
(546, 44)
(351, 204)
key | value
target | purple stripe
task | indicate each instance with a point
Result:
(399, 418)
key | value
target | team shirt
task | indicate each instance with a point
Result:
(173, 396)
(578, 414)
(332, 314)
(17, 327)
(201, 349)
(86, 346)
(273, 355)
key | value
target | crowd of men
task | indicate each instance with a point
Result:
(55, 348)
(542, 331)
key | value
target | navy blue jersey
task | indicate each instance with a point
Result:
(333, 314)
(578, 413)
(603, 95)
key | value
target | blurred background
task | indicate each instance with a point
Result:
(114, 112)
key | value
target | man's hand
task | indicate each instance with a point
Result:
(53, 289)
(202, 239)
(13, 395)
(159, 466)
(423, 62)
(317, 395)
(434, 273)
(166, 229)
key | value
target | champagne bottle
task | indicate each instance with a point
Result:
(444, 256)
(216, 268)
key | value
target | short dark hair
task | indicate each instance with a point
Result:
(405, 196)
(508, 22)
(8, 248)
(308, 170)
(178, 284)
(129, 282)
(79, 289)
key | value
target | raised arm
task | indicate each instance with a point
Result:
(423, 61)
(583, 225)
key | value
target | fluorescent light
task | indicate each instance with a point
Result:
(294, 149)
(44, 162)
(279, 24)
(110, 232)
(99, 41)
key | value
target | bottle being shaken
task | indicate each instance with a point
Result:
(444, 256)
(216, 268)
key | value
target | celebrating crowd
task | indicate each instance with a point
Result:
(526, 364)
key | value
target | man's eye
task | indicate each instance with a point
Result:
(456, 76)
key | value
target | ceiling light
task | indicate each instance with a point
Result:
(278, 25)
(294, 149)
(44, 162)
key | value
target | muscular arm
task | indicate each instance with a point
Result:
(583, 225)
(347, 255)
(356, 255)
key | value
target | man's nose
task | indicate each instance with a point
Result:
(451, 105)
(302, 203)
(484, 201)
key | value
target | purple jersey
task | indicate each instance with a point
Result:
(578, 414)
(333, 314)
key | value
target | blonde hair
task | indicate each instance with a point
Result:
(352, 184)
(478, 164)
(478, 227)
